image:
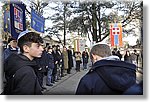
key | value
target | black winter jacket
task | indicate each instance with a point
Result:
(107, 77)
(20, 76)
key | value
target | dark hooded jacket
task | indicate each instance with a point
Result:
(9, 51)
(20, 75)
(107, 77)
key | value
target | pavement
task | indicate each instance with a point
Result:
(139, 72)
(67, 85)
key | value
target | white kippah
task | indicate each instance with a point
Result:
(22, 34)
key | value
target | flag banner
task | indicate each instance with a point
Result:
(7, 18)
(82, 43)
(37, 21)
(116, 34)
(79, 45)
(76, 45)
(18, 21)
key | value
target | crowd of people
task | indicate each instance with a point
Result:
(130, 56)
(27, 61)
(53, 62)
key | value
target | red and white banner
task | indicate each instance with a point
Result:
(116, 34)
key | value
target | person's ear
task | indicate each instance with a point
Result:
(93, 56)
(26, 48)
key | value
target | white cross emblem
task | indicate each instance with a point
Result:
(116, 31)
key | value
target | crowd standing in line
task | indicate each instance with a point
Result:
(38, 61)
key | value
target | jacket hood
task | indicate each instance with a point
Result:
(118, 75)
(15, 61)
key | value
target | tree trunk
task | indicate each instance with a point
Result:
(99, 24)
(64, 23)
(94, 22)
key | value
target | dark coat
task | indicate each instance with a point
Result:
(70, 59)
(50, 61)
(21, 70)
(9, 51)
(85, 57)
(136, 89)
(42, 62)
(128, 58)
(115, 77)
(57, 57)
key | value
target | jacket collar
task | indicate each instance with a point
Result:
(117, 63)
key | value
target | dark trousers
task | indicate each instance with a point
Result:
(54, 73)
(78, 65)
(70, 65)
(40, 76)
(68, 70)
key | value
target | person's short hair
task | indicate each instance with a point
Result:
(49, 47)
(53, 46)
(28, 39)
(134, 50)
(11, 39)
(70, 47)
(57, 46)
(102, 50)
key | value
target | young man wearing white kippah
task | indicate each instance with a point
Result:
(20, 68)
